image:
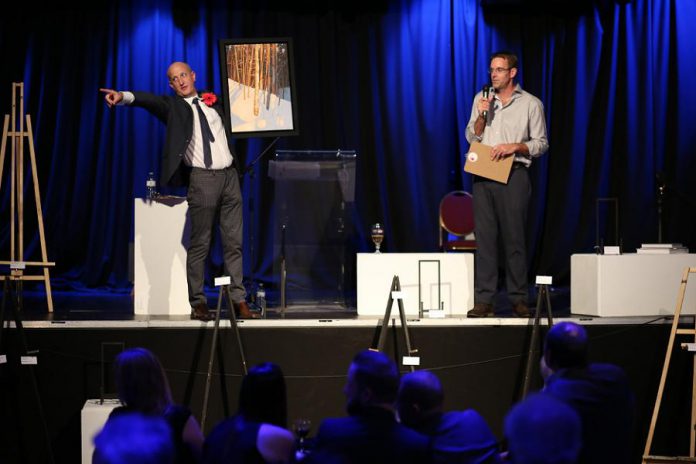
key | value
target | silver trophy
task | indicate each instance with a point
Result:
(377, 234)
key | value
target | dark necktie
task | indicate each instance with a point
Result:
(206, 133)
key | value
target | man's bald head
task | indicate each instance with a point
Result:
(566, 346)
(420, 397)
(182, 79)
(176, 65)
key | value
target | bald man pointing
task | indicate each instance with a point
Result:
(198, 154)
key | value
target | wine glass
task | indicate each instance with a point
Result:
(302, 428)
(377, 234)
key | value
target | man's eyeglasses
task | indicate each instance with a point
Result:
(497, 70)
(183, 75)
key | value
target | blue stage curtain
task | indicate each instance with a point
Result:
(395, 83)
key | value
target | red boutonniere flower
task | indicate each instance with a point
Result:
(209, 98)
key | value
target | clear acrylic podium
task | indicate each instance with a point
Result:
(314, 239)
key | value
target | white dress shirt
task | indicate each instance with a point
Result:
(220, 151)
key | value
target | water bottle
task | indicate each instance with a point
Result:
(261, 299)
(151, 185)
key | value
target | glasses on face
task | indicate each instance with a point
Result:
(181, 76)
(497, 70)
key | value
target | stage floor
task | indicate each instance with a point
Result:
(118, 306)
(319, 320)
(100, 310)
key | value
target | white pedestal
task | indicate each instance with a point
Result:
(376, 271)
(92, 418)
(630, 284)
(161, 237)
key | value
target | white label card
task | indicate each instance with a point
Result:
(3, 359)
(29, 360)
(411, 360)
(224, 280)
(612, 250)
(397, 295)
(544, 280)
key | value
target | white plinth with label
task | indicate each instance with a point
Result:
(161, 236)
(376, 271)
(630, 284)
(92, 418)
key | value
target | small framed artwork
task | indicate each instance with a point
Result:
(258, 87)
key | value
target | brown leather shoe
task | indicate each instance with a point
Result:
(520, 309)
(242, 311)
(481, 310)
(200, 312)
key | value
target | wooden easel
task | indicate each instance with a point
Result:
(647, 458)
(17, 134)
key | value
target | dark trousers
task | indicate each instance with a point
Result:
(500, 215)
(213, 192)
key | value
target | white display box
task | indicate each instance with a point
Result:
(161, 237)
(92, 419)
(376, 271)
(630, 284)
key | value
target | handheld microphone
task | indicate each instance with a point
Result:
(487, 90)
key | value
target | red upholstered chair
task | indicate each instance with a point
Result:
(457, 219)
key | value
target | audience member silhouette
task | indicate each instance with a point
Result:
(542, 430)
(134, 438)
(256, 434)
(143, 387)
(456, 437)
(371, 433)
(599, 393)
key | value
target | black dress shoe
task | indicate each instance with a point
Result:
(242, 311)
(481, 310)
(200, 312)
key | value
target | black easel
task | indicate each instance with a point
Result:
(26, 357)
(213, 346)
(542, 297)
(600, 242)
(395, 287)
(249, 167)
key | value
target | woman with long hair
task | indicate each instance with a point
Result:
(143, 387)
(256, 434)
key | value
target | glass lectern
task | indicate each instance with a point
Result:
(314, 235)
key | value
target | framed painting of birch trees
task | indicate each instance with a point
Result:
(258, 87)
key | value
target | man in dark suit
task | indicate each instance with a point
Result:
(457, 437)
(599, 393)
(371, 433)
(198, 153)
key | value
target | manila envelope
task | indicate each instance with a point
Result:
(479, 162)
